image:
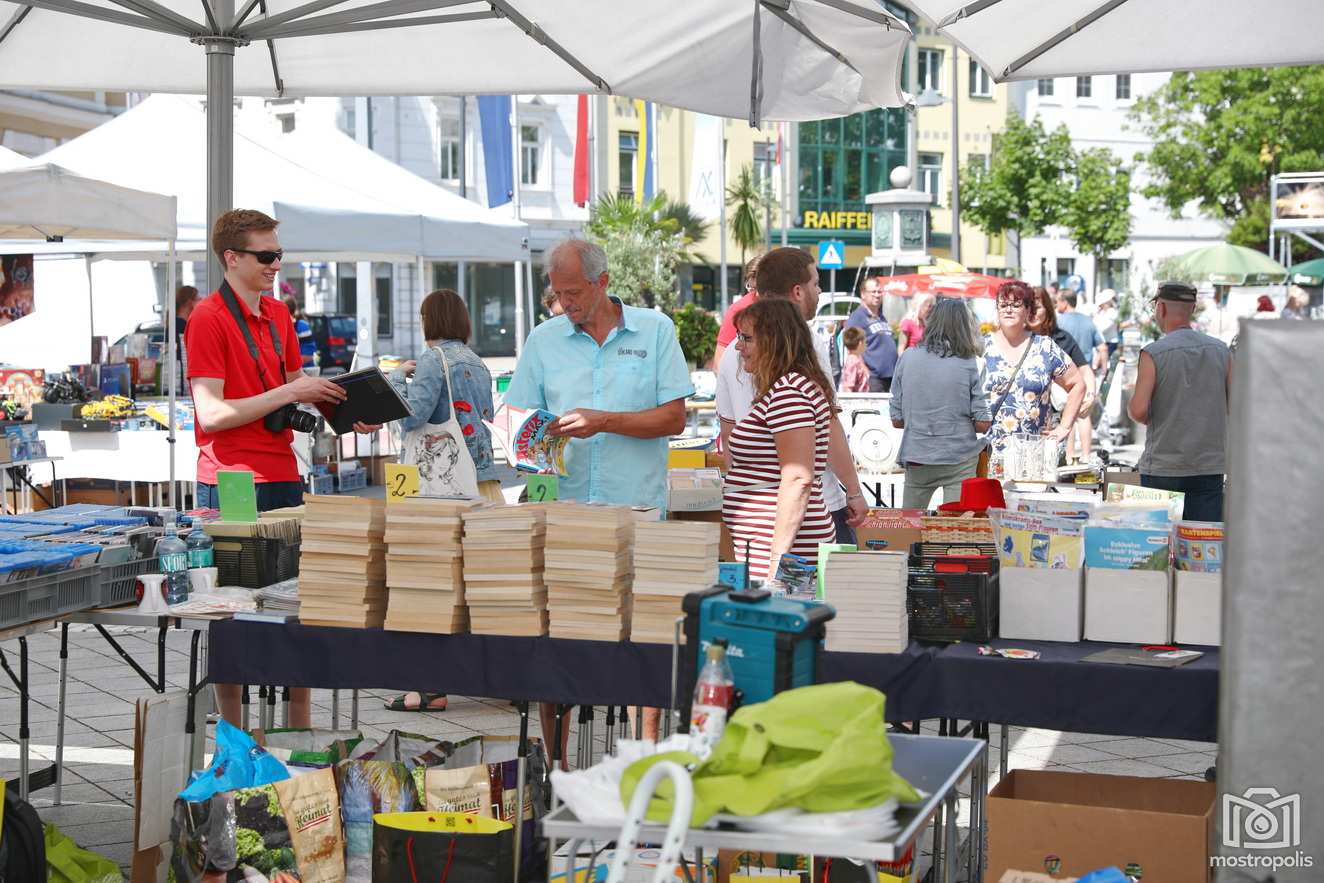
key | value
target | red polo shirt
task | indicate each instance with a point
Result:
(216, 348)
(726, 335)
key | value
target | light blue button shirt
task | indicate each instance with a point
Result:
(639, 366)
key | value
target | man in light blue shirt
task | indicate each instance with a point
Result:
(616, 377)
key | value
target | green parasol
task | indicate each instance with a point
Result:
(1308, 273)
(1226, 264)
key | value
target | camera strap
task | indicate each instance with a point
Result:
(232, 303)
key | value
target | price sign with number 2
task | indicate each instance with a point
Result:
(542, 488)
(401, 480)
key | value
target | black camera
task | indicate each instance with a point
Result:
(290, 417)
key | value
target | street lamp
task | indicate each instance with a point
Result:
(932, 98)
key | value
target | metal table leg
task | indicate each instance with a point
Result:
(611, 730)
(335, 709)
(247, 705)
(354, 710)
(521, 777)
(194, 688)
(23, 733)
(949, 850)
(60, 711)
(285, 706)
(1004, 750)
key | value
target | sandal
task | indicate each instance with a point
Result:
(425, 702)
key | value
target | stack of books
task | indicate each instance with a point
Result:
(424, 570)
(868, 590)
(503, 570)
(588, 571)
(671, 559)
(342, 562)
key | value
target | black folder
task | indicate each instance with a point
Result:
(370, 399)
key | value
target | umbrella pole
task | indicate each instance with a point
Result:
(220, 132)
(172, 356)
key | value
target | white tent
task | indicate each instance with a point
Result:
(45, 202)
(1028, 39)
(335, 199)
(10, 159)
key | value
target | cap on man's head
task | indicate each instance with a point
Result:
(1181, 292)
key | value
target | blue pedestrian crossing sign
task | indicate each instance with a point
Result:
(831, 254)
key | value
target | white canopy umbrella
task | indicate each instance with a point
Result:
(46, 202)
(10, 159)
(1028, 39)
(768, 59)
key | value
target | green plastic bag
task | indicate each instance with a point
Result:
(67, 862)
(820, 749)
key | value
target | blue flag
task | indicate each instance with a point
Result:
(498, 165)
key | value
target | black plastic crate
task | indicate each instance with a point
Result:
(47, 596)
(254, 562)
(953, 606)
(952, 558)
(119, 582)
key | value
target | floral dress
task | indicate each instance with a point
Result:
(1028, 407)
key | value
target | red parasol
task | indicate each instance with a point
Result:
(948, 284)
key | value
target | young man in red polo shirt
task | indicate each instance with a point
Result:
(233, 393)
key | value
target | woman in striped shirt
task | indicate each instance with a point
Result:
(773, 498)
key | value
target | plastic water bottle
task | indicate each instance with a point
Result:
(200, 548)
(714, 694)
(173, 555)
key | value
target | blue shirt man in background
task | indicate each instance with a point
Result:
(879, 344)
(1081, 327)
(617, 379)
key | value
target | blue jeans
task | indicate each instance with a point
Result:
(1204, 494)
(270, 495)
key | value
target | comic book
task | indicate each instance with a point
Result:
(522, 434)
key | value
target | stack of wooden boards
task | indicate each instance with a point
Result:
(342, 562)
(588, 571)
(868, 590)
(503, 569)
(671, 559)
(424, 565)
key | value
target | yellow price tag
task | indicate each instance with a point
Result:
(401, 481)
(542, 488)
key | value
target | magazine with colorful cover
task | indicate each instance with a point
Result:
(1127, 548)
(1135, 495)
(1197, 546)
(1026, 539)
(523, 435)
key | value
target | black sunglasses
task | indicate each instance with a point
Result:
(263, 257)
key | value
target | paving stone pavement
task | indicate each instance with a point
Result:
(97, 809)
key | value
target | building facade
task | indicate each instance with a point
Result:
(1096, 111)
(32, 122)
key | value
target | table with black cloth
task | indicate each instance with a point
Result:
(1057, 691)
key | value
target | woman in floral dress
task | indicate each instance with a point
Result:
(1027, 406)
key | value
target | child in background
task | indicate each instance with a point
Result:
(854, 373)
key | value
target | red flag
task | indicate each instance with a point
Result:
(581, 152)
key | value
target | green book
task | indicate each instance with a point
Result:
(825, 551)
(238, 496)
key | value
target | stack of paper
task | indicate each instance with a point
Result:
(868, 591)
(503, 570)
(588, 571)
(342, 562)
(424, 572)
(671, 559)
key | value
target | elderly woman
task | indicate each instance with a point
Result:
(1021, 369)
(938, 398)
(912, 326)
(773, 500)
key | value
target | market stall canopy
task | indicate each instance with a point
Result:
(945, 284)
(1308, 273)
(1227, 264)
(10, 159)
(47, 202)
(342, 205)
(1028, 39)
(769, 60)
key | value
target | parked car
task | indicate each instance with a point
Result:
(336, 336)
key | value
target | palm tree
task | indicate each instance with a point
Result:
(746, 197)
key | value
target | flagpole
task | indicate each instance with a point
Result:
(521, 320)
(721, 198)
(786, 184)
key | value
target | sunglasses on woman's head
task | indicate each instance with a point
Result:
(263, 257)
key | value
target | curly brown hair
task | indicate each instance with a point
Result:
(784, 345)
(230, 232)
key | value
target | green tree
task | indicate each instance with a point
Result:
(1221, 135)
(1098, 211)
(746, 197)
(691, 227)
(1024, 188)
(642, 246)
(696, 330)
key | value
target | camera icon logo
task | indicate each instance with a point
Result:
(1261, 818)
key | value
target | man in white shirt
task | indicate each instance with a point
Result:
(791, 273)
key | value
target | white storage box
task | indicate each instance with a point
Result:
(1041, 604)
(1128, 606)
(1198, 608)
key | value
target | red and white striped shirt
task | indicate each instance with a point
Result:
(750, 511)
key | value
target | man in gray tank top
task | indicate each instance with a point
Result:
(1181, 394)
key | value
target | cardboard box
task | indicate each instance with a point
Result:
(694, 490)
(1041, 604)
(1093, 821)
(897, 529)
(1197, 610)
(1128, 606)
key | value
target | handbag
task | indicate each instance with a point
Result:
(441, 847)
(445, 467)
(981, 470)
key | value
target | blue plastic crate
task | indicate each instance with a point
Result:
(352, 481)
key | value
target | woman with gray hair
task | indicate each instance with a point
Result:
(938, 398)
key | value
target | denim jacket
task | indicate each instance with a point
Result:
(469, 387)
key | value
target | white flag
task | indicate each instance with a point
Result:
(705, 181)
